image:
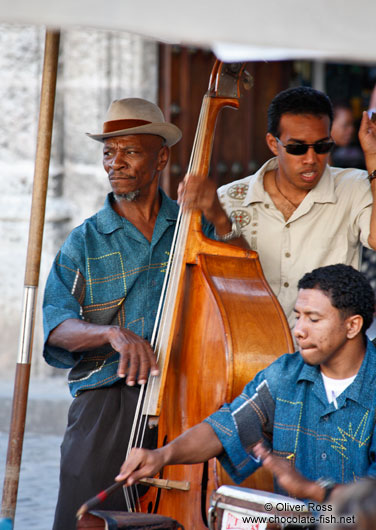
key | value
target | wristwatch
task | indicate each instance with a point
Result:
(328, 485)
(372, 175)
(234, 234)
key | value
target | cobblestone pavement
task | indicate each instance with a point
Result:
(39, 478)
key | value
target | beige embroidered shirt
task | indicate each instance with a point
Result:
(328, 227)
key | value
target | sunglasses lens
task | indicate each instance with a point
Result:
(323, 148)
(301, 149)
(296, 149)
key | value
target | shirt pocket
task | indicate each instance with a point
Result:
(105, 278)
(287, 427)
(325, 250)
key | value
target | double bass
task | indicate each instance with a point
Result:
(217, 325)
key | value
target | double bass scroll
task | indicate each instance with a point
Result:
(219, 324)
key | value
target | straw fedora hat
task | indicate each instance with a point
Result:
(136, 116)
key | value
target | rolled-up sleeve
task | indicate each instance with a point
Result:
(241, 424)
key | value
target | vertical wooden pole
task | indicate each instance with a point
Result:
(21, 384)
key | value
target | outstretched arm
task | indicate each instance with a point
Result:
(198, 444)
(367, 137)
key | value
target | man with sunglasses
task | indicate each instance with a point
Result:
(297, 212)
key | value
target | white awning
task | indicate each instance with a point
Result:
(337, 30)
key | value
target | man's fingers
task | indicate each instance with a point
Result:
(260, 451)
(129, 466)
(136, 357)
(366, 125)
(181, 188)
(123, 364)
(140, 464)
(144, 366)
(154, 369)
(134, 364)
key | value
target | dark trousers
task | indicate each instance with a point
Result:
(93, 449)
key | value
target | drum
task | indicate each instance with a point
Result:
(112, 520)
(235, 508)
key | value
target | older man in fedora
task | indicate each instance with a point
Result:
(101, 300)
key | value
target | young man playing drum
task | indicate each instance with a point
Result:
(310, 416)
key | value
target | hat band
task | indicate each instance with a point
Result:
(118, 125)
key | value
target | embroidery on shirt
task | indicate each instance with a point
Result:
(79, 284)
(111, 312)
(132, 325)
(75, 282)
(164, 263)
(298, 426)
(238, 191)
(90, 279)
(339, 444)
(242, 217)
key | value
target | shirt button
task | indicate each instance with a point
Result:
(266, 205)
(254, 224)
(286, 284)
(288, 226)
(288, 255)
(323, 456)
(326, 417)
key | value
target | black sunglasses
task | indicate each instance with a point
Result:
(321, 148)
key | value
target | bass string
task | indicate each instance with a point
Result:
(165, 310)
(159, 333)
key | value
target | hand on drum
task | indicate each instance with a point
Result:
(288, 478)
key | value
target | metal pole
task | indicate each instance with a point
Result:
(32, 268)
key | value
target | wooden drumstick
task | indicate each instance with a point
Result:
(100, 497)
(157, 482)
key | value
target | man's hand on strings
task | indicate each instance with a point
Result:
(195, 193)
(136, 355)
(141, 463)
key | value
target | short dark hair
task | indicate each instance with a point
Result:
(298, 100)
(348, 290)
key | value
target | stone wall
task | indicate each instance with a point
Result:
(95, 67)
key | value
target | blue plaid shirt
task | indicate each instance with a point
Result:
(107, 272)
(287, 406)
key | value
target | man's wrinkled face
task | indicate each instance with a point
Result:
(300, 172)
(320, 329)
(133, 163)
